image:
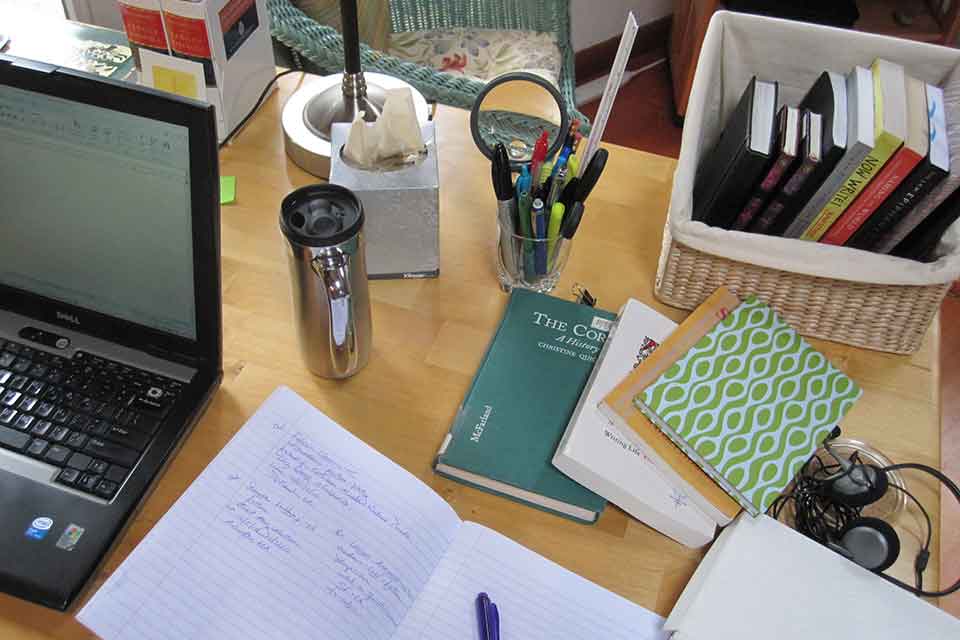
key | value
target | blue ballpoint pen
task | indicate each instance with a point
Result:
(482, 615)
(561, 162)
(524, 198)
(488, 618)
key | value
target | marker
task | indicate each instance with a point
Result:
(539, 155)
(545, 170)
(553, 230)
(506, 205)
(573, 167)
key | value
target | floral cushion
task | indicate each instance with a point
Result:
(480, 53)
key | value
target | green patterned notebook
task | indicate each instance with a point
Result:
(750, 403)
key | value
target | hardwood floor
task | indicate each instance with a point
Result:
(642, 118)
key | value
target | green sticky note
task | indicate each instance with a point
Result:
(228, 189)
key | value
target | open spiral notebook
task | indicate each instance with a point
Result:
(297, 529)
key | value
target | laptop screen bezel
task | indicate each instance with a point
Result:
(198, 118)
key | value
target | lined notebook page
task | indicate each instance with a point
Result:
(297, 529)
(536, 598)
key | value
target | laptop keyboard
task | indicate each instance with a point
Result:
(90, 416)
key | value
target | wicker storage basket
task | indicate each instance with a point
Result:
(836, 293)
(885, 317)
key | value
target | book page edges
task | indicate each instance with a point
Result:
(618, 406)
(676, 467)
(696, 458)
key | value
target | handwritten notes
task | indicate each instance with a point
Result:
(296, 529)
(299, 530)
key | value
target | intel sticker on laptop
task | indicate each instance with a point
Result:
(70, 536)
(39, 528)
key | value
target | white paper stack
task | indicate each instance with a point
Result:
(762, 580)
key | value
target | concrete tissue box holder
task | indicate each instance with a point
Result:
(401, 209)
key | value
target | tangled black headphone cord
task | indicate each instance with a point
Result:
(815, 514)
(822, 519)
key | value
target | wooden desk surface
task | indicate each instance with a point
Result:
(429, 336)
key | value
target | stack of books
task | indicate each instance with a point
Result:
(683, 427)
(863, 160)
(724, 413)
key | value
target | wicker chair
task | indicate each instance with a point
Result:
(323, 45)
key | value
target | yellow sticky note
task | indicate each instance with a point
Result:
(228, 189)
(178, 82)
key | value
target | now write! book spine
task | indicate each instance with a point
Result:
(894, 173)
(890, 129)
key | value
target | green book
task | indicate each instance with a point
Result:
(518, 406)
(750, 403)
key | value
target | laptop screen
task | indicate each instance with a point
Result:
(96, 210)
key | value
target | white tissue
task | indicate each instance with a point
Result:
(394, 135)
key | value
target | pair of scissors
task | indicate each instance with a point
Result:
(577, 189)
(590, 176)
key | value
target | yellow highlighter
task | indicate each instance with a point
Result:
(545, 170)
(553, 229)
(573, 167)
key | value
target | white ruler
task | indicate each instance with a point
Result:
(610, 91)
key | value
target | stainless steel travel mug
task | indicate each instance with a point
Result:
(323, 226)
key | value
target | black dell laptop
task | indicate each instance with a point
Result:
(110, 328)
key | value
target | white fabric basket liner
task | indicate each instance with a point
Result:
(738, 46)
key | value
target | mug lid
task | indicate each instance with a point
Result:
(321, 215)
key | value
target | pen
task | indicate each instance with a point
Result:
(568, 142)
(561, 162)
(524, 200)
(488, 618)
(540, 231)
(556, 185)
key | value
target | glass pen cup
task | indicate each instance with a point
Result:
(529, 263)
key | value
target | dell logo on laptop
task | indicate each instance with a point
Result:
(68, 317)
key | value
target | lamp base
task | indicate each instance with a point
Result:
(343, 104)
(306, 113)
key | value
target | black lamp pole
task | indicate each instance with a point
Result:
(351, 36)
(343, 103)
